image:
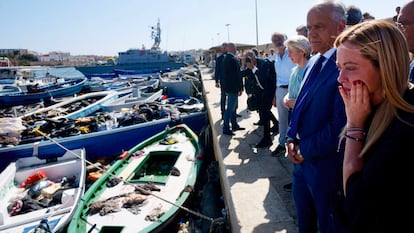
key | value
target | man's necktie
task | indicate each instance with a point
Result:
(293, 127)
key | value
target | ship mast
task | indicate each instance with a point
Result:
(156, 36)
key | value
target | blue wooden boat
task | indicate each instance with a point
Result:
(102, 143)
(75, 107)
(136, 98)
(107, 75)
(32, 95)
(141, 72)
(104, 137)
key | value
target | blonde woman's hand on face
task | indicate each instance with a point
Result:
(357, 104)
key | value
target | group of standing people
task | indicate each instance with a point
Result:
(347, 119)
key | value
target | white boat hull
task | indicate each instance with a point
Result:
(58, 216)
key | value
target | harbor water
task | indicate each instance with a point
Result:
(65, 72)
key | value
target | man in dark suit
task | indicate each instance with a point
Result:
(218, 76)
(261, 75)
(316, 122)
(232, 86)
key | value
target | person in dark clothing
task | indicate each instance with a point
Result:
(261, 74)
(397, 10)
(405, 24)
(218, 76)
(354, 15)
(275, 128)
(373, 60)
(232, 86)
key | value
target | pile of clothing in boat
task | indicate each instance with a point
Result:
(132, 198)
(38, 192)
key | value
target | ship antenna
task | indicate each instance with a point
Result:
(156, 36)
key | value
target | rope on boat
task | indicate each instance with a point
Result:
(212, 220)
(43, 226)
(63, 147)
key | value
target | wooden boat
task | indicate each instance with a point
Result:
(181, 84)
(121, 72)
(120, 83)
(146, 187)
(74, 107)
(20, 110)
(99, 84)
(98, 136)
(27, 205)
(9, 89)
(139, 95)
(99, 143)
(148, 81)
(177, 86)
(19, 75)
(33, 94)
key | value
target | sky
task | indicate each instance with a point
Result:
(106, 27)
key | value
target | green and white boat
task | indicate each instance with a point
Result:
(144, 189)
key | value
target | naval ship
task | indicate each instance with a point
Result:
(136, 61)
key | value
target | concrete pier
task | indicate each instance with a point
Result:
(252, 180)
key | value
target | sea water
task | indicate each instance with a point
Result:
(65, 72)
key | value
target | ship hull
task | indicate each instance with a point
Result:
(110, 71)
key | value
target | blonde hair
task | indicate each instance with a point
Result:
(301, 43)
(386, 47)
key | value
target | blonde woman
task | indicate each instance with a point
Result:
(378, 161)
(299, 50)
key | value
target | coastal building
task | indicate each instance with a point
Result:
(54, 57)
